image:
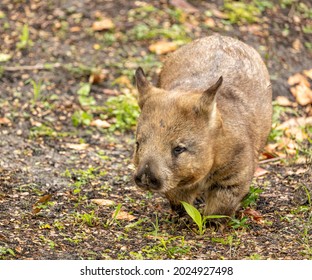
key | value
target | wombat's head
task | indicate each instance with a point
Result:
(175, 136)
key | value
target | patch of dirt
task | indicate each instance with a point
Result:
(51, 171)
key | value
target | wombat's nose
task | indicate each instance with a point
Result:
(147, 180)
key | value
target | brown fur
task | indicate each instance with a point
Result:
(201, 130)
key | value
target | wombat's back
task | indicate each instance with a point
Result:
(245, 96)
(199, 64)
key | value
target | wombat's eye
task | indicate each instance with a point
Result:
(178, 150)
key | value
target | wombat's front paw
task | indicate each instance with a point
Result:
(178, 209)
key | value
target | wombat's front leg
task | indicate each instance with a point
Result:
(224, 200)
(176, 196)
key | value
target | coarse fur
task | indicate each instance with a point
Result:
(201, 130)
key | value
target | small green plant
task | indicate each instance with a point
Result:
(81, 117)
(251, 198)
(24, 39)
(239, 223)
(6, 251)
(124, 109)
(48, 241)
(89, 219)
(37, 87)
(114, 218)
(228, 240)
(198, 218)
(255, 257)
(241, 12)
(156, 227)
(83, 95)
(42, 131)
(165, 248)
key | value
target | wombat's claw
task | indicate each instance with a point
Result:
(199, 201)
(178, 209)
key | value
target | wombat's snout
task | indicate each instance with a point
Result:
(146, 178)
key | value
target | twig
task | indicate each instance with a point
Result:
(31, 67)
(270, 160)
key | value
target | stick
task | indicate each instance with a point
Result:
(31, 67)
(270, 160)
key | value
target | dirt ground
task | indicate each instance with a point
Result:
(66, 189)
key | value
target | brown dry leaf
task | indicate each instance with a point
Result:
(219, 14)
(109, 91)
(123, 80)
(103, 24)
(298, 78)
(295, 122)
(297, 45)
(308, 73)
(163, 47)
(98, 76)
(254, 214)
(184, 5)
(260, 172)
(5, 121)
(75, 29)
(283, 101)
(78, 147)
(254, 29)
(100, 123)
(123, 215)
(103, 202)
(210, 22)
(302, 93)
(43, 199)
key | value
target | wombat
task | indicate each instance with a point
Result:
(202, 128)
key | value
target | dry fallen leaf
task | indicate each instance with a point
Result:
(75, 29)
(219, 14)
(123, 215)
(297, 45)
(100, 123)
(260, 172)
(43, 199)
(301, 88)
(295, 122)
(163, 47)
(98, 76)
(104, 24)
(78, 147)
(308, 73)
(123, 80)
(210, 22)
(5, 121)
(298, 78)
(283, 101)
(109, 91)
(103, 202)
(303, 94)
(184, 6)
(253, 213)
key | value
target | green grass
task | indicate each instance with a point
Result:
(89, 219)
(24, 39)
(125, 111)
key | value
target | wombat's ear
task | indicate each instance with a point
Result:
(207, 102)
(142, 84)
